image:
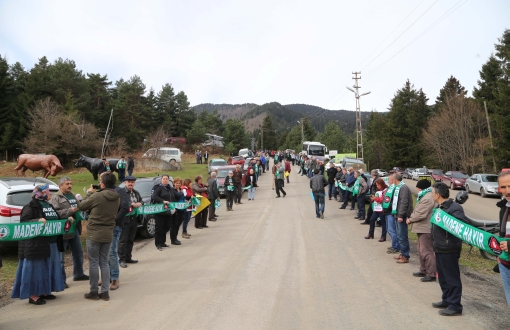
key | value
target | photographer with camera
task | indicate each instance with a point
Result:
(103, 206)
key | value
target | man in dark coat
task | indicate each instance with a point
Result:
(130, 165)
(129, 223)
(212, 194)
(404, 209)
(331, 180)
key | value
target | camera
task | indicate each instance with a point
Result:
(96, 186)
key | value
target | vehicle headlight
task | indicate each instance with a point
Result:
(457, 181)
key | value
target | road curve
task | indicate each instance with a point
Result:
(269, 264)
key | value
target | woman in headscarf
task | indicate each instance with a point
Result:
(39, 270)
(230, 190)
(201, 217)
(162, 194)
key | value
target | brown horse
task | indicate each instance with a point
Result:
(49, 163)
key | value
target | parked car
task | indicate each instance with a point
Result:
(381, 172)
(223, 173)
(245, 153)
(455, 179)
(16, 193)
(408, 173)
(396, 170)
(170, 155)
(146, 223)
(236, 160)
(484, 184)
(417, 172)
(214, 164)
(436, 174)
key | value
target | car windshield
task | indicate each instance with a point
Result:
(490, 178)
(218, 163)
(144, 188)
(222, 174)
(437, 172)
(459, 175)
(21, 198)
(420, 170)
(316, 150)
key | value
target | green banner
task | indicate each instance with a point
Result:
(160, 208)
(343, 186)
(27, 230)
(469, 234)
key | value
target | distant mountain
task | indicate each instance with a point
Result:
(285, 116)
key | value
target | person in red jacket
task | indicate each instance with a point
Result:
(287, 169)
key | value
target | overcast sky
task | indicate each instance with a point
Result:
(263, 51)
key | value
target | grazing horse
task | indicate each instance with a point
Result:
(49, 163)
(93, 164)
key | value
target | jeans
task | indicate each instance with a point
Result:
(347, 194)
(319, 203)
(185, 220)
(402, 237)
(251, 193)
(373, 219)
(77, 253)
(98, 259)
(504, 271)
(392, 230)
(114, 257)
(361, 206)
(448, 271)
(331, 190)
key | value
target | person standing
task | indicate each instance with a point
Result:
(287, 170)
(238, 179)
(162, 194)
(377, 199)
(103, 206)
(349, 183)
(39, 270)
(447, 248)
(121, 168)
(129, 223)
(420, 222)
(206, 156)
(279, 174)
(373, 189)
(200, 217)
(229, 190)
(504, 225)
(64, 202)
(360, 194)
(340, 178)
(187, 192)
(317, 184)
(212, 194)
(176, 217)
(391, 221)
(251, 182)
(130, 166)
(402, 208)
(331, 172)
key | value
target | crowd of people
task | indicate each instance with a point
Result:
(111, 227)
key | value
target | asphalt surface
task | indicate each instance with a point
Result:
(269, 264)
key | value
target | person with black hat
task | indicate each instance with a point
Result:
(130, 226)
(420, 222)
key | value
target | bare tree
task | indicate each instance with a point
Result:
(457, 136)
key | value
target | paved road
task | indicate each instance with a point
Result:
(270, 264)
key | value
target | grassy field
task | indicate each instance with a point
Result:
(82, 179)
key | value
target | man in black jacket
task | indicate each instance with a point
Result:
(447, 248)
(129, 225)
(331, 180)
(130, 166)
(317, 184)
(212, 194)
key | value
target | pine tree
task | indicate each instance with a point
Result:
(452, 88)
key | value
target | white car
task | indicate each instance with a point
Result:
(417, 172)
(170, 155)
(16, 193)
(381, 173)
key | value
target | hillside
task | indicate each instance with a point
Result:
(284, 116)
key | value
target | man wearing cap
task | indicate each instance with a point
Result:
(130, 226)
(121, 168)
(420, 222)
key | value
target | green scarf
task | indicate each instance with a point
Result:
(395, 199)
(387, 197)
(423, 193)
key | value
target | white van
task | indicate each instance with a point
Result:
(170, 155)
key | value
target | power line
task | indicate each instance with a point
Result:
(441, 18)
(416, 20)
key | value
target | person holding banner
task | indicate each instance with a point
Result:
(187, 192)
(39, 271)
(128, 224)
(447, 248)
(349, 182)
(201, 217)
(162, 194)
(378, 212)
(420, 222)
(66, 205)
(504, 223)
(176, 218)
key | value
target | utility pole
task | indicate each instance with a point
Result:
(359, 130)
(262, 138)
(302, 130)
(490, 136)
